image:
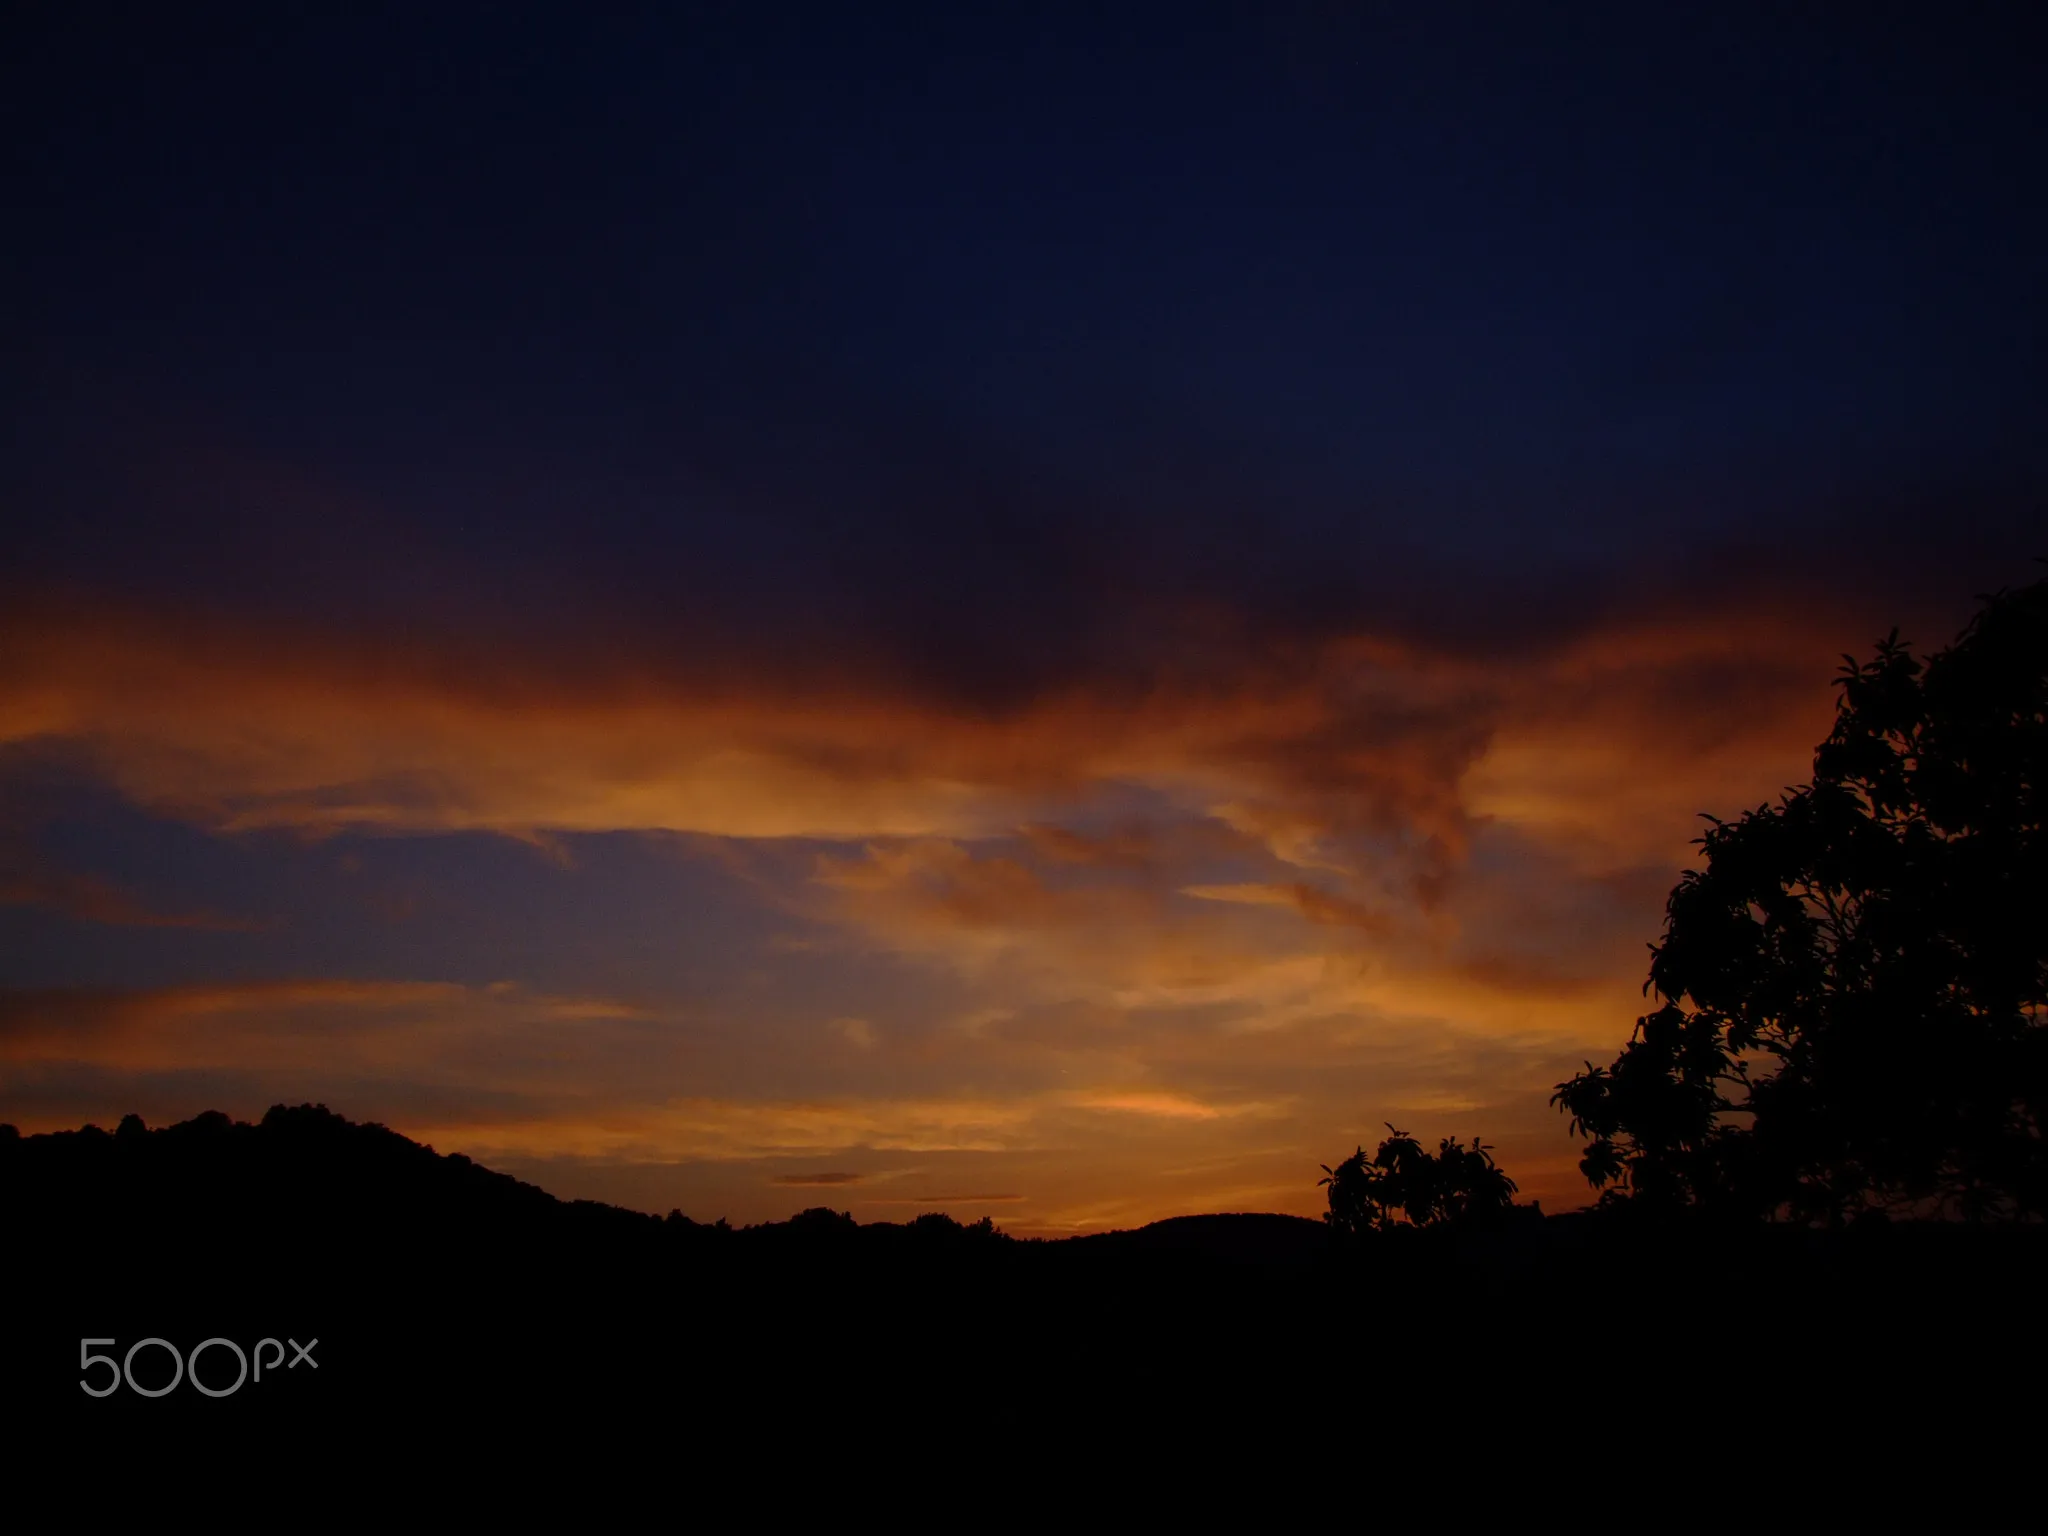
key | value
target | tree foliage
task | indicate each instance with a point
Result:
(1852, 987)
(1403, 1183)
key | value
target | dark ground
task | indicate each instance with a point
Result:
(441, 1292)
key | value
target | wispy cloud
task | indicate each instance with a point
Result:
(29, 879)
(1249, 911)
(944, 1200)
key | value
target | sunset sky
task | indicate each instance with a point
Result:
(1042, 611)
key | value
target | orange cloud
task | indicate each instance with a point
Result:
(945, 1200)
(1620, 739)
(1224, 922)
(566, 1088)
(88, 898)
(1313, 903)
(1170, 1106)
(469, 1035)
(1360, 759)
(242, 731)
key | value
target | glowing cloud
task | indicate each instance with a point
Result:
(1230, 920)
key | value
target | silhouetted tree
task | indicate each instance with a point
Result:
(1404, 1183)
(1853, 985)
(821, 1221)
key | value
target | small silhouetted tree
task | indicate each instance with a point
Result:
(1403, 1183)
(1853, 985)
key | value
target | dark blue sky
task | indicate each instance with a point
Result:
(922, 321)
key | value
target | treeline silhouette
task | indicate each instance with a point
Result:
(423, 1273)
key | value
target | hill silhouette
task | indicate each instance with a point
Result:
(419, 1272)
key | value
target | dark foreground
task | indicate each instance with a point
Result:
(436, 1287)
